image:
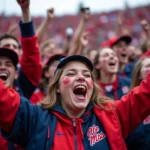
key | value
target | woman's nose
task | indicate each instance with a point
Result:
(81, 78)
(111, 56)
(2, 67)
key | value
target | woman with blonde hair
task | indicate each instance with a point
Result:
(74, 115)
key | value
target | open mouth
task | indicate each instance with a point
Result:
(80, 90)
(3, 76)
(111, 64)
(123, 55)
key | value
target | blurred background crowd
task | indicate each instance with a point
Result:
(101, 26)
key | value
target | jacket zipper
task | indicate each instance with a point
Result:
(75, 135)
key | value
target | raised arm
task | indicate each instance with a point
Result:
(79, 48)
(31, 60)
(146, 28)
(121, 28)
(146, 48)
(76, 40)
(133, 108)
(24, 5)
(43, 26)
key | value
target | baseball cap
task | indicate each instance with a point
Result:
(113, 41)
(80, 58)
(53, 58)
(4, 51)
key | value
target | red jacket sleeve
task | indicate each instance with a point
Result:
(9, 105)
(133, 108)
(31, 59)
(3, 143)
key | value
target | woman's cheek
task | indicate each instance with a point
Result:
(66, 81)
(91, 83)
(103, 61)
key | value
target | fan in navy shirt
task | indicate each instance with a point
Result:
(114, 86)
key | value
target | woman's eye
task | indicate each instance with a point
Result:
(9, 65)
(70, 74)
(104, 56)
(87, 75)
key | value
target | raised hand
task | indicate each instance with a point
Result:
(84, 39)
(24, 4)
(86, 14)
(50, 13)
(120, 19)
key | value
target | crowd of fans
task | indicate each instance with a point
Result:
(101, 25)
(118, 45)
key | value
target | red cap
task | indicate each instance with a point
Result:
(113, 41)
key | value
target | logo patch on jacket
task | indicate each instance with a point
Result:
(95, 135)
(108, 88)
(125, 89)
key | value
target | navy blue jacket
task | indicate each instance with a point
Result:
(139, 139)
(116, 89)
(33, 126)
(30, 126)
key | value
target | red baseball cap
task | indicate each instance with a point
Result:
(113, 41)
